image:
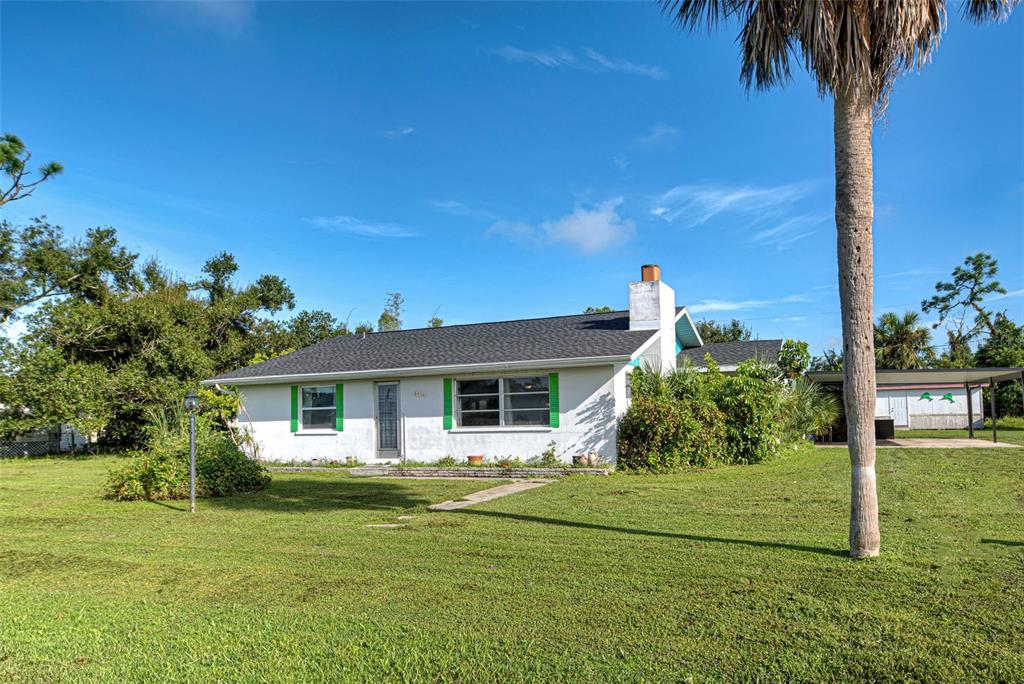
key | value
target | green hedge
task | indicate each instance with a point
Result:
(690, 418)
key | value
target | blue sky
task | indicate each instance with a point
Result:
(497, 161)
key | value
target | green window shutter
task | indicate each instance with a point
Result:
(553, 398)
(295, 408)
(339, 407)
(447, 403)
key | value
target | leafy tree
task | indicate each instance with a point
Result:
(964, 294)
(958, 352)
(854, 52)
(435, 321)
(902, 342)
(391, 318)
(312, 327)
(363, 328)
(793, 359)
(733, 331)
(38, 263)
(598, 309)
(830, 360)
(1004, 348)
(14, 159)
(109, 363)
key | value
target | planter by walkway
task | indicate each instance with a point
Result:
(482, 472)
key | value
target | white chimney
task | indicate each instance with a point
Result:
(652, 306)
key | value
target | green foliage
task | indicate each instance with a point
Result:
(134, 346)
(161, 472)
(733, 331)
(750, 400)
(965, 294)
(391, 318)
(37, 263)
(14, 158)
(662, 433)
(448, 461)
(598, 309)
(1004, 348)
(547, 458)
(807, 409)
(902, 342)
(793, 359)
(830, 360)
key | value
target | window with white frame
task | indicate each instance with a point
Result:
(318, 410)
(495, 402)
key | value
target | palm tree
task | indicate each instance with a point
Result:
(902, 342)
(854, 50)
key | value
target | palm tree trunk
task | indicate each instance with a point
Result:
(854, 209)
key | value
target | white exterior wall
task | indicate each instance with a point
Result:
(590, 401)
(936, 414)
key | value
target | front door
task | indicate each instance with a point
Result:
(387, 420)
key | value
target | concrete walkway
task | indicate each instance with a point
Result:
(936, 443)
(488, 495)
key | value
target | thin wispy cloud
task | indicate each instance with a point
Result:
(693, 205)
(712, 305)
(589, 230)
(587, 59)
(230, 17)
(1011, 293)
(783, 235)
(354, 226)
(659, 133)
(399, 132)
(456, 208)
(621, 162)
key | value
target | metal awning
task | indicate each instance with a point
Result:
(926, 376)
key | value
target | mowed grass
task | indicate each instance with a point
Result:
(1010, 430)
(733, 573)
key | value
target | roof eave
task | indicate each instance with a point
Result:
(503, 366)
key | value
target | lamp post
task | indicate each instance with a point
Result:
(191, 404)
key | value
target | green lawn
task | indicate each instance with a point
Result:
(735, 573)
(1007, 430)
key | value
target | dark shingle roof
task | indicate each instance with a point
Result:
(733, 353)
(536, 339)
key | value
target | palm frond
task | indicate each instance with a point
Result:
(980, 11)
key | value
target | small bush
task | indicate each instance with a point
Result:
(447, 462)
(161, 472)
(547, 458)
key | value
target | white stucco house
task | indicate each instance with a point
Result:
(497, 389)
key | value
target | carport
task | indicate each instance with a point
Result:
(969, 378)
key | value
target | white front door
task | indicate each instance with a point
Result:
(898, 409)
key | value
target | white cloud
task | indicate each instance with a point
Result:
(693, 205)
(591, 230)
(587, 60)
(709, 305)
(1011, 293)
(621, 162)
(457, 208)
(588, 229)
(399, 132)
(354, 226)
(659, 133)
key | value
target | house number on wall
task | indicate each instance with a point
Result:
(419, 395)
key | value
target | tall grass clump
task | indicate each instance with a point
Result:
(160, 472)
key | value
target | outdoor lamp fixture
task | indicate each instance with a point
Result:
(191, 405)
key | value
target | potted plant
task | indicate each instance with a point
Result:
(475, 459)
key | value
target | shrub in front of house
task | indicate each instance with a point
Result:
(690, 418)
(662, 433)
(161, 471)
